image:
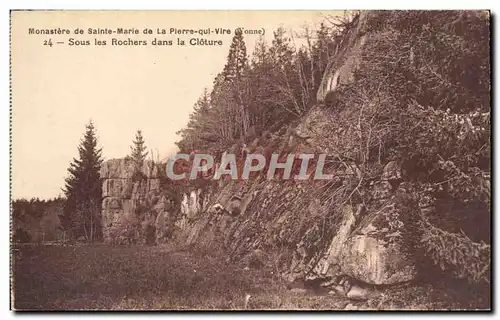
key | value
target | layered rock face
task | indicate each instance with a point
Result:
(292, 223)
(303, 234)
(305, 229)
(133, 209)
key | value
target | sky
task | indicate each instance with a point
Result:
(58, 89)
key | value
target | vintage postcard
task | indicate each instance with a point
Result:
(250, 160)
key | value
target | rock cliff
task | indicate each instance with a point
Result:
(133, 208)
(360, 224)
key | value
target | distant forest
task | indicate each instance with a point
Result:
(37, 220)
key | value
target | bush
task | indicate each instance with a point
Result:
(456, 252)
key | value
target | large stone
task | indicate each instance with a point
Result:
(191, 206)
(110, 217)
(372, 261)
(328, 265)
(235, 206)
(376, 253)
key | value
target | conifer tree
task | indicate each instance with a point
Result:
(236, 59)
(138, 150)
(81, 214)
(233, 73)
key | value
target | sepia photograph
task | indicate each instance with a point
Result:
(250, 160)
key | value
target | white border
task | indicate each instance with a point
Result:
(177, 5)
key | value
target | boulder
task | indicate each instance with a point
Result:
(191, 206)
(328, 264)
(376, 252)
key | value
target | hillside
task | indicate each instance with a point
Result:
(400, 104)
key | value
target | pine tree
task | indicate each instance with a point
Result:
(83, 190)
(285, 75)
(281, 50)
(260, 100)
(236, 59)
(203, 127)
(138, 150)
(234, 73)
(322, 50)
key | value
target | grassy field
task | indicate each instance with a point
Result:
(102, 277)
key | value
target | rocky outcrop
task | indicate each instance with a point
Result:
(347, 56)
(301, 229)
(372, 247)
(302, 234)
(133, 209)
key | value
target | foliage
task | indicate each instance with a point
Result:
(456, 252)
(124, 231)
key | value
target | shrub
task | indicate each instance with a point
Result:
(456, 252)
